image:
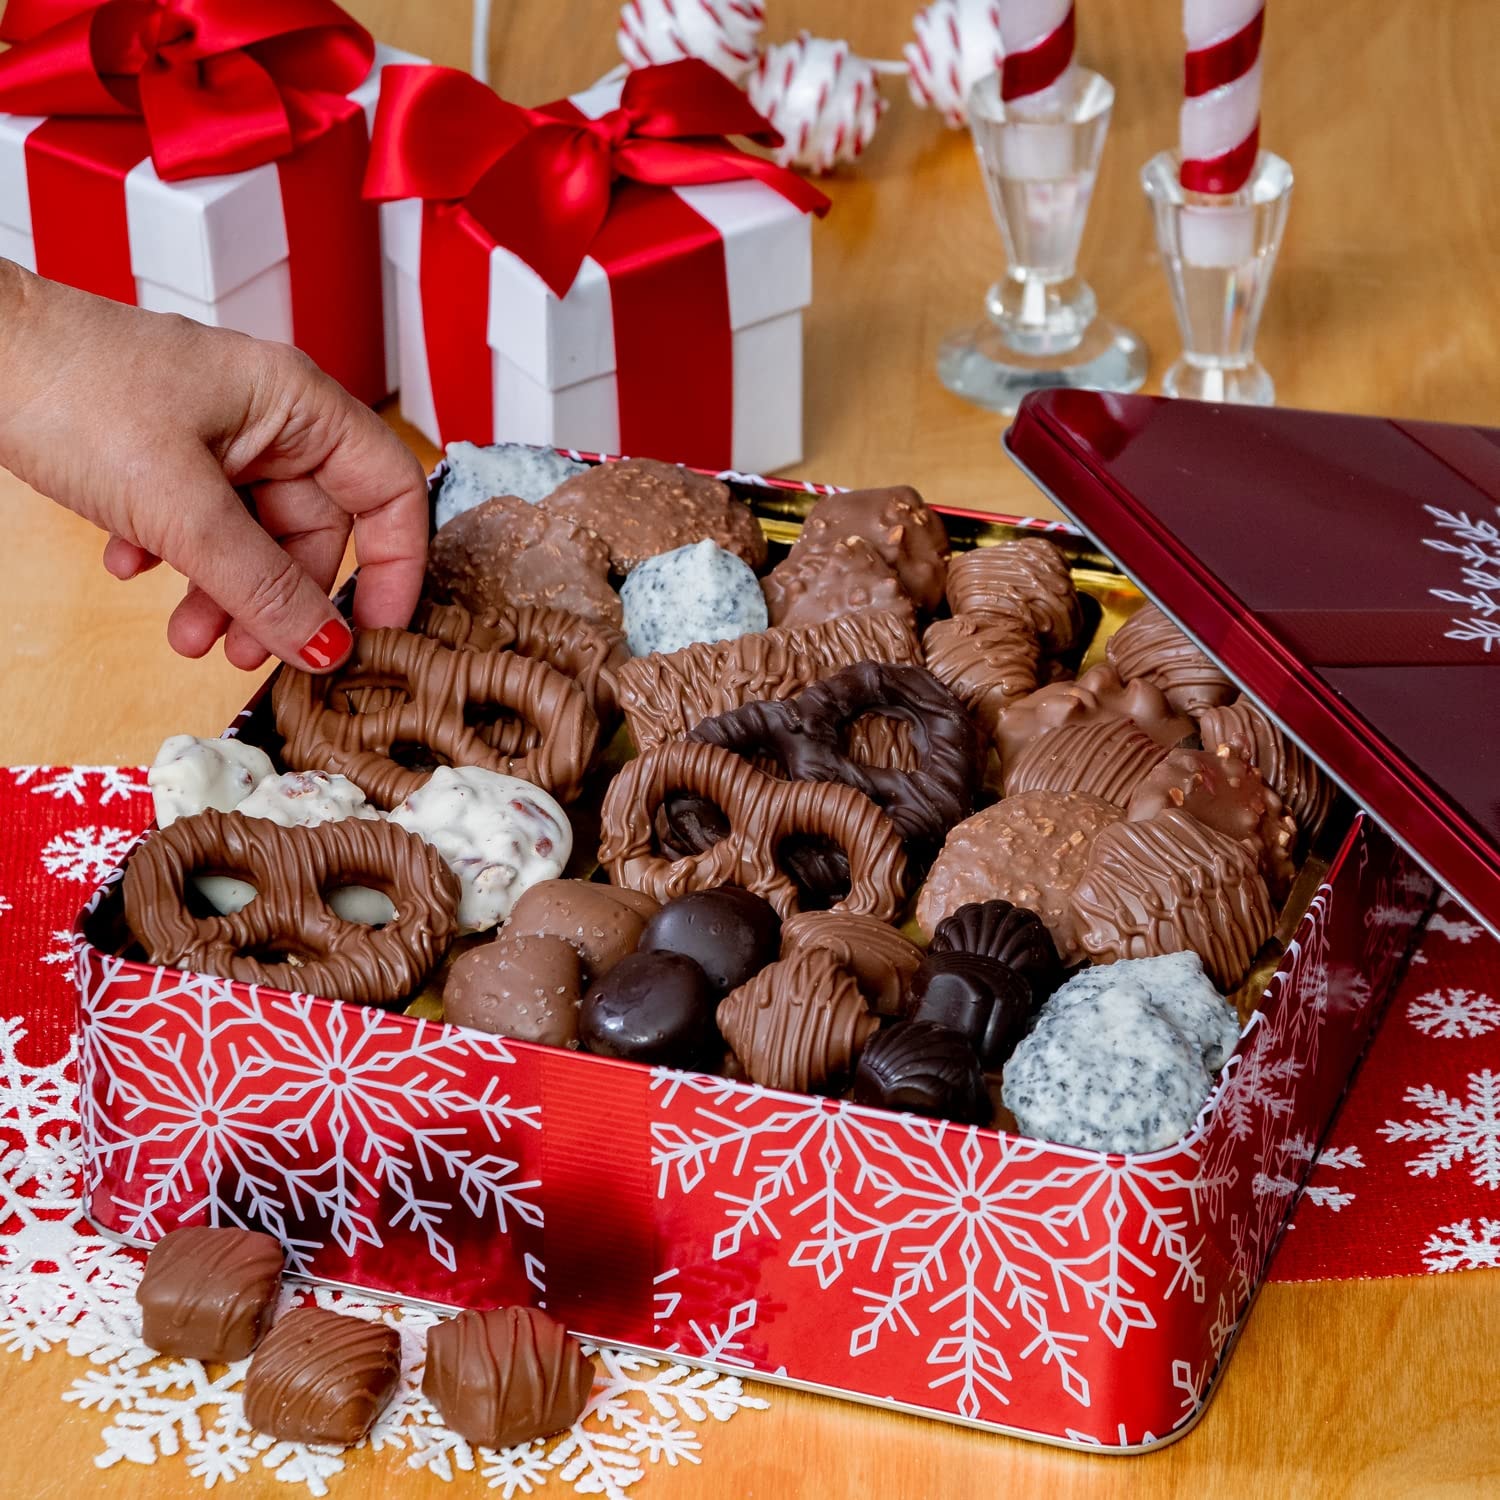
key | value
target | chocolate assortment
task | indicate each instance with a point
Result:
(802, 769)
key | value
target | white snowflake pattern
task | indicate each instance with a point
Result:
(1462, 1247)
(1476, 544)
(1456, 1130)
(5, 905)
(1327, 1195)
(1460, 929)
(61, 1285)
(87, 854)
(73, 782)
(1454, 1012)
(61, 951)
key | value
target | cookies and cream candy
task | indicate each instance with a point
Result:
(691, 594)
(1106, 757)
(476, 474)
(190, 775)
(1026, 579)
(1170, 884)
(1029, 850)
(1149, 645)
(500, 835)
(1121, 1058)
(898, 524)
(814, 584)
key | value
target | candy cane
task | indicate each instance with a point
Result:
(1038, 40)
(1220, 126)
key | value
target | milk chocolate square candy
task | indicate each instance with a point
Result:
(209, 1293)
(321, 1377)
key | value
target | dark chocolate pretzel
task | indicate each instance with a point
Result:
(428, 692)
(763, 815)
(292, 869)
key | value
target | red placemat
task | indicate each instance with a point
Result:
(1409, 1182)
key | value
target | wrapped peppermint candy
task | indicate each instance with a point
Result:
(824, 101)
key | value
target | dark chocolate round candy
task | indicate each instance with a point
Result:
(652, 1008)
(983, 999)
(1012, 934)
(730, 933)
(925, 1069)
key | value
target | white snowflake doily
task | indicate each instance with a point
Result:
(1455, 1129)
(62, 1286)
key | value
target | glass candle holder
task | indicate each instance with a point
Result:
(1041, 327)
(1219, 253)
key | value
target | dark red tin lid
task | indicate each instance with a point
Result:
(1345, 571)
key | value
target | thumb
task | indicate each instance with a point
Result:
(222, 549)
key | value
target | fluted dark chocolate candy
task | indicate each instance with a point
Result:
(1015, 936)
(925, 1069)
(979, 997)
(652, 1008)
(209, 1293)
(729, 932)
(321, 1377)
(505, 1376)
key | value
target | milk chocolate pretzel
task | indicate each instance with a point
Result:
(763, 814)
(289, 937)
(806, 735)
(429, 693)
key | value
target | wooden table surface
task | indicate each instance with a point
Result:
(1386, 300)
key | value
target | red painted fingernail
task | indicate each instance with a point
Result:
(329, 645)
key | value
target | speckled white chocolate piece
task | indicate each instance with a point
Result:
(695, 593)
(500, 835)
(190, 775)
(478, 474)
(1122, 1057)
(302, 799)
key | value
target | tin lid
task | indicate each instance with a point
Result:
(1345, 571)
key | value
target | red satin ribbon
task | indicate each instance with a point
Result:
(545, 184)
(1226, 173)
(1212, 67)
(1039, 67)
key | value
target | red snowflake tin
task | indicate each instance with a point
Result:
(967, 1274)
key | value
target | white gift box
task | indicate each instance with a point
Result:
(553, 359)
(211, 248)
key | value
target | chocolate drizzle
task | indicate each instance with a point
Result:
(799, 1024)
(505, 1376)
(289, 937)
(1104, 757)
(209, 1294)
(986, 662)
(880, 959)
(1149, 645)
(1026, 579)
(320, 1377)
(1304, 790)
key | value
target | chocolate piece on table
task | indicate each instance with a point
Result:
(651, 1008)
(523, 986)
(799, 1024)
(665, 696)
(986, 662)
(880, 959)
(815, 584)
(1222, 791)
(981, 998)
(1303, 788)
(1098, 693)
(1172, 884)
(640, 507)
(321, 1377)
(1029, 850)
(730, 933)
(1149, 645)
(898, 524)
(925, 1069)
(506, 552)
(1104, 757)
(505, 1376)
(1015, 936)
(603, 922)
(1027, 579)
(209, 1294)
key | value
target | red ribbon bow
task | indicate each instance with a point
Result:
(221, 85)
(540, 182)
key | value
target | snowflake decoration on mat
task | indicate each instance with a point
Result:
(5, 905)
(1476, 543)
(1454, 1013)
(1458, 928)
(61, 1285)
(72, 782)
(1461, 1247)
(87, 854)
(1457, 1129)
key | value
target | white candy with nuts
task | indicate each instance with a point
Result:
(191, 775)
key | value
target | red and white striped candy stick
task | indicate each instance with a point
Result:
(1220, 127)
(1038, 40)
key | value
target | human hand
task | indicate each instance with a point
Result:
(234, 460)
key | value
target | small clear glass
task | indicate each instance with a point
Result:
(1219, 252)
(1042, 327)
